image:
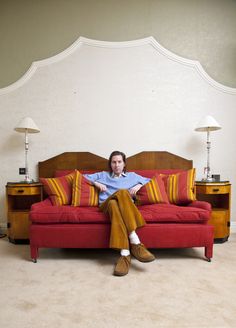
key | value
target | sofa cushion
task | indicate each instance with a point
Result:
(170, 213)
(84, 193)
(152, 192)
(59, 189)
(180, 187)
(44, 213)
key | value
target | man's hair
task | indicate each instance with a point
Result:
(116, 153)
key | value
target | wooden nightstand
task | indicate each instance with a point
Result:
(20, 197)
(219, 195)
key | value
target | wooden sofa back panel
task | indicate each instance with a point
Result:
(87, 161)
(71, 161)
(148, 160)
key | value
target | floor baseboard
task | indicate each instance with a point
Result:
(233, 227)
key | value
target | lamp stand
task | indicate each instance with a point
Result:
(207, 170)
(27, 179)
(26, 126)
(208, 124)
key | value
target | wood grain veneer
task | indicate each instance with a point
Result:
(88, 161)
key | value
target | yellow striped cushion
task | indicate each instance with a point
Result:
(152, 192)
(84, 193)
(180, 187)
(59, 189)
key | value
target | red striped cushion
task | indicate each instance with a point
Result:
(152, 192)
(180, 187)
(59, 189)
(83, 192)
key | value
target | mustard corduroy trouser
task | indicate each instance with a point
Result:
(124, 216)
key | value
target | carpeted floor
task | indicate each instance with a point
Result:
(76, 288)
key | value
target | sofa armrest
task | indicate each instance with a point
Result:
(201, 204)
(43, 203)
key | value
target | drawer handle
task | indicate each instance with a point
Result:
(216, 189)
(20, 191)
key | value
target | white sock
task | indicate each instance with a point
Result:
(134, 239)
(124, 252)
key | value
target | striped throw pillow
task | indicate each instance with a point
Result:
(152, 192)
(180, 187)
(84, 193)
(59, 189)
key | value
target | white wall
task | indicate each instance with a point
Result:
(101, 96)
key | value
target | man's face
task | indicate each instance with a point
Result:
(117, 164)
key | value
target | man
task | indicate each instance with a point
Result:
(117, 190)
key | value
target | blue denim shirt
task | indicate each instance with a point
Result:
(124, 181)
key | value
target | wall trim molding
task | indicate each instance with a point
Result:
(123, 44)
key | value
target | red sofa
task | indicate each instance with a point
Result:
(168, 225)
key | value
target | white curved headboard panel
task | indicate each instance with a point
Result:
(99, 96)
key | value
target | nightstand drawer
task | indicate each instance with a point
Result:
(213, 189)
(17, 191)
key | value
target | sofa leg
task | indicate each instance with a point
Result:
(209, 253)
(34, 253)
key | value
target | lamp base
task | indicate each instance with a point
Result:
(208, 179)
(28, 180)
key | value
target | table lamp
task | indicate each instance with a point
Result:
(27, 125)
(208, 124)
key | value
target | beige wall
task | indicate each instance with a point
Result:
(197, 29)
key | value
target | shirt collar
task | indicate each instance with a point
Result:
(123, 174)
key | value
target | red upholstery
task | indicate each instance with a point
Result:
(97, 236)
(84, 193)
(153, 192)
(168, 213)
(45, 212)
(167, 225)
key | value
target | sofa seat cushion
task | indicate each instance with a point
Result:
(66, 214)
(170, 213)
(44, 213)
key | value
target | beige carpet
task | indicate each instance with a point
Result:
(75, 288)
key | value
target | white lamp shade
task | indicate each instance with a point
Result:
(27, 124)
(208, 123)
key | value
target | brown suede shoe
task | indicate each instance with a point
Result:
(122, 266)
(141, 253)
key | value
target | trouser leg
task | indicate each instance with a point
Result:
(124, 216)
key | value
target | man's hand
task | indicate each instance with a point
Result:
(100, 186)
(135, 189)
